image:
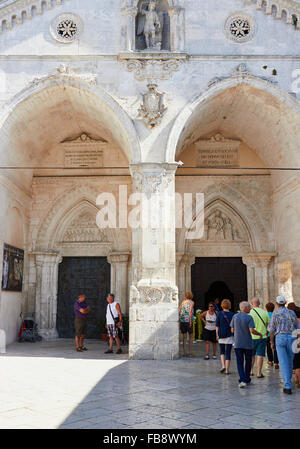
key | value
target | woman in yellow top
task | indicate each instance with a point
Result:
(186, 311)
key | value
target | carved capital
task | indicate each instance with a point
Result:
(152, 178)
(258, 260)
(118, 257)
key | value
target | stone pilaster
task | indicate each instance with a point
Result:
(177, 28)
(119, 278)
(128, 29)
(46, 293)
(258, 275)
(154, 330)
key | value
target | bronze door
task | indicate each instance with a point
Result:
(223, 277)
(89, 275)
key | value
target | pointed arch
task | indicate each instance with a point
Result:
(244, 100)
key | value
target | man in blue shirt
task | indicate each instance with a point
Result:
(242, 326)
(81, 310)
(282, 324)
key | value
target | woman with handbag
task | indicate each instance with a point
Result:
(209, 318)
(113, 323)
(224, 334)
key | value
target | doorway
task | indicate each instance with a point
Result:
(219, 277)
(89, 275)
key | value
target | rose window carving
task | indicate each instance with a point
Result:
(66, 28)
(240, 28)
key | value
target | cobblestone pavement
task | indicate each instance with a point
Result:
(47, 385)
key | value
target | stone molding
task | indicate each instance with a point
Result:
(289, 7)
(16, 13)
(241, 71)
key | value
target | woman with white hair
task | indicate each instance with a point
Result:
(242, 326)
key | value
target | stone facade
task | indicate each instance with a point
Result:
(209, 104)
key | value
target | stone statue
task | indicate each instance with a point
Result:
(150, 26)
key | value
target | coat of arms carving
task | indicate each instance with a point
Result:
(153, 108)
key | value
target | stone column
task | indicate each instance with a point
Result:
(188, 260)
(177, 28)
(46, 293)
(128, 30)
(184, 279)
(180, 275)
(258, 275)
(284, 280)
(119, 278)
(154, 329)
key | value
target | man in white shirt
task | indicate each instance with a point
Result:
(113, 323)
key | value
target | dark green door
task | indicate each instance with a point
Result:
(89, 275)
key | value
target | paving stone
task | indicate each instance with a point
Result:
(119, 394)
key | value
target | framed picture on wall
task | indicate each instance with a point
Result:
(13, 263)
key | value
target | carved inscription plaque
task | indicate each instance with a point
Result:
(83, 152)
(217, 152)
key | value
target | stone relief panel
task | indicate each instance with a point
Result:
(220, 227)
(84, 229)
(153, 295)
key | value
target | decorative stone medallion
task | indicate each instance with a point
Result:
(66, 28)
(240, 28)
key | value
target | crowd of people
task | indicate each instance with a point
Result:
(252, 332)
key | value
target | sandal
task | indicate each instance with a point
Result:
(83, 348)
(78, 349)
(222, 370)
(261, 376)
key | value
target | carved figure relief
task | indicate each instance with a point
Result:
(220, 227)
(153, 25)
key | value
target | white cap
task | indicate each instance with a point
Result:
(281, 300)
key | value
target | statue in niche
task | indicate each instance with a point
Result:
(152, 25)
